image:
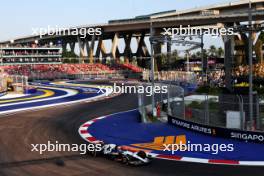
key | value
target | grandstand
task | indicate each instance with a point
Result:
(45, 62)
(131, 67)
(50, 71)
(30, 54)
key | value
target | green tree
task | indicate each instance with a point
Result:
(212, 50)
(198, 54)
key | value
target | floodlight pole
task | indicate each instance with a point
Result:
(250, 46)
(152, 69)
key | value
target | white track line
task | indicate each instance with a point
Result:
(70, 92)
(91, 99)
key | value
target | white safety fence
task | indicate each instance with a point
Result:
(177, 76)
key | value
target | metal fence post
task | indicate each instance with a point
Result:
(258, 120)
(183, 105)
(168, 101)
(241, 109)
(141, 107)
(206, 112)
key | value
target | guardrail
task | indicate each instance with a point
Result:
(91, 75)
(246, 136)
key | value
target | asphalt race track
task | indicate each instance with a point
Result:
(61, 124)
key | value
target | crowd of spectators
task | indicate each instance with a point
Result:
(216, 78)
(176, 76)
(242, 71)
(50, 71)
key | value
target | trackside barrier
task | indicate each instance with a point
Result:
(246, 136)
(177, 76)
(92, 75)
(173, 104)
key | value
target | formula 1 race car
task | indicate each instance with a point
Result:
(135, 158)
(126, 156)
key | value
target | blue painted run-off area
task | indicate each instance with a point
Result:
(125, 129)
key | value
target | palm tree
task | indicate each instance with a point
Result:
(212, 50)
(198, 54)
